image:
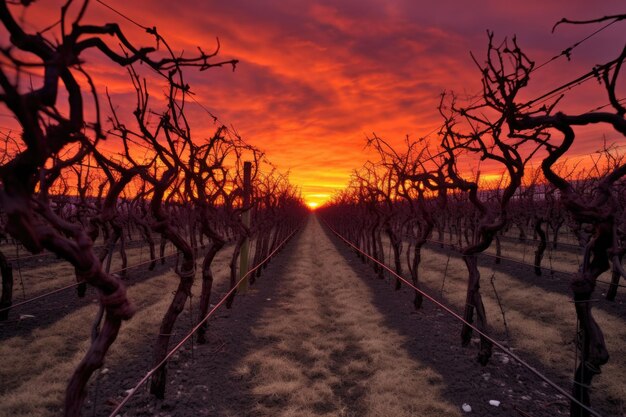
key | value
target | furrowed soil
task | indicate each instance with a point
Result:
(319, 334)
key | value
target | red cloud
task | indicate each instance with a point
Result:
(316, 78)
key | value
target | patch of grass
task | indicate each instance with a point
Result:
(47, 273)
(542, 323)
(331, 353)
(34, 380)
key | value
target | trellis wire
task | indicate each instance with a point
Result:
(474, 328)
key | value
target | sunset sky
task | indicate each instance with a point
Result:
(317, 77)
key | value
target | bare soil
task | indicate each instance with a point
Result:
(319, 334)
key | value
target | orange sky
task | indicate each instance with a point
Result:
(316, 77)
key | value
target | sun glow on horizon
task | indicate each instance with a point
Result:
(337, 85)
(312, 205)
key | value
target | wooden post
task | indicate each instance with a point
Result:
(245, 219)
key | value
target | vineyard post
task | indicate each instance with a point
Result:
(245, 218)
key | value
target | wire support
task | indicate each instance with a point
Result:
(455, 315)
(222, 301)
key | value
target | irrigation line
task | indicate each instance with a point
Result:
(506, 258)
(449, 310)
(45, 253)
(552, 270)
(529, 240)
(75, 284)
(143, 380)
(30, 300)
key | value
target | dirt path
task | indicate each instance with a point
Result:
(330, 352)
(320, 335)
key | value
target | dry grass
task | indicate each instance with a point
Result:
(330, 352)
(542, 323)
(34, 379)
(560, 260)
(49, 273)
(564, 259)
